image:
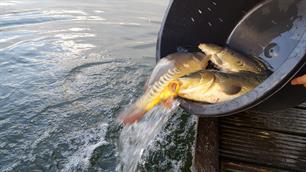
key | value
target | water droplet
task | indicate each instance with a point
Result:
(213, 2)
(192, 19)
(220, 19)
(200, 11)
(209, 23)
(208, 9)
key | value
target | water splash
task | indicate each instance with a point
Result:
(94, 138)
(136, 138)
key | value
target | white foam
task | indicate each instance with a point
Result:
(81, 157)
(136, 138)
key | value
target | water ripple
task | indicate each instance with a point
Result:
(66, 70)
(10, 3)
(37, 17)
(27, 18)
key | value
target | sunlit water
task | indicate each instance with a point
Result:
(67, 69)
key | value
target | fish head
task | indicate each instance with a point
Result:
(228, 60)
(210, 49)
(148, 101)
(200, 80)
(196, 85)
(222, 61)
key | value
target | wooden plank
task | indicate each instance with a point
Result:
(274, 141)
(291, 121)
(207, 146)
(234, 166)
(302, 106)
(263, 147)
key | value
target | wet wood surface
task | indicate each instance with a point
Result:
(207, 146)
(232, 166)
(265, 141)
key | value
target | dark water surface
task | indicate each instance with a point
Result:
(67, 69)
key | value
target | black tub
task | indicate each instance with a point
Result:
(272, 30)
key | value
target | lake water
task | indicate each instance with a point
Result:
(67, 69)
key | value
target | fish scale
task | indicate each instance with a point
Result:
(195, 82)
(157, 89)
(183, 61)
(159, 85)
(231, 61)
(225, 86)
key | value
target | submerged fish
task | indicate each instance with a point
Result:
(157, 88)
(230, 61)
(216, 86)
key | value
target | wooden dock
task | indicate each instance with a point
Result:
(253, 142)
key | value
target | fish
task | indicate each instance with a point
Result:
(158, 88)
(211, 86)
(228, 60)
(207, 86)
(185, 75)
(176, 65)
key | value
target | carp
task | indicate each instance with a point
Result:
(228, 60)
(177, 65)
(207, 86)
(215, 86)
(183, 75)
(166, 71)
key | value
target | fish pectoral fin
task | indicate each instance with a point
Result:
(232, 89)
(132, 115)
(168, 103)
(216, 60)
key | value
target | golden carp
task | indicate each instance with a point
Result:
(216, 86)
(230, 61)
(182, 74)
(157, 89)
(203, 86)
(177, 65)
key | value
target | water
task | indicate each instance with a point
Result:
(67, 69)
(157, 142)
(135, 139)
